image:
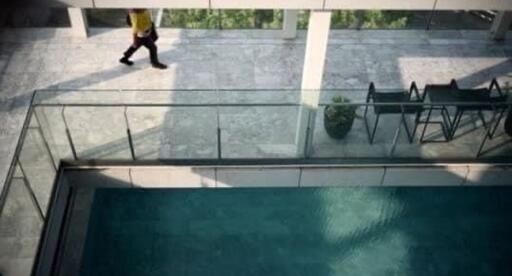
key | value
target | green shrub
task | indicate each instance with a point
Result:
(340, 113)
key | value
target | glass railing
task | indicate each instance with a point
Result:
(230, 125)
(227, 124)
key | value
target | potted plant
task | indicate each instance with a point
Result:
(338, 119)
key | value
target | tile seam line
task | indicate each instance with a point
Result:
(131, 177)
(465, 179)
(383, 176)
(216, 177)
(300, 177)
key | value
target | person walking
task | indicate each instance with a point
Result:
(144, 34)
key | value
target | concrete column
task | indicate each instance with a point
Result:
(78, 21)
(501, 25)
(158, 17)
(290, 24)
(312, 74)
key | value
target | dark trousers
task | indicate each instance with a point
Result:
(148, 43)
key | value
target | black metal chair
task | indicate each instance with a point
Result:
(492, 129)
(489, 103)
(440, 93)
(398, 102)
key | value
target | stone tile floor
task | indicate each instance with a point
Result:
(52, 59)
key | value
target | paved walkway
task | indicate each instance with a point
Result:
(50, 58)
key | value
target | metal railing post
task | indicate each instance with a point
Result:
(308, 133)
(31, 192)
(54, 164)
(397, 132)
(68, 133)
(429, 22)
(219, 131)
(129, 133)
(19, 145)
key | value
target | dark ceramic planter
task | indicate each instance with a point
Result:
(335, 129)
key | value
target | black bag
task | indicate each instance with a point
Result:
(153, 34)
(508, 123)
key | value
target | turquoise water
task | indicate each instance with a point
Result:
(306, 231)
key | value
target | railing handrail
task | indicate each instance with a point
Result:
(427, 104)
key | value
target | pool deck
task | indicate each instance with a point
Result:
(51, 59)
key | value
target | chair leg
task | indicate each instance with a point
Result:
(482, 145)
(372, 137)
(493, 131)
(446, 117)
(458, 117)
(490, 132)
(426, 124)
(482, 118)
(410, 137)
(366, 124)
(416, 122)
(447, 122)
(395, 138)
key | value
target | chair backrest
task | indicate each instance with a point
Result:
(371, 92)
(452, 86)
(412, 89)
(495, 84)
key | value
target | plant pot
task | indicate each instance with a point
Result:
(337, 129)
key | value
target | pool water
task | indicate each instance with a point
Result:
(300, 231)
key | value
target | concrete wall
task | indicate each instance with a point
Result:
(211, 177)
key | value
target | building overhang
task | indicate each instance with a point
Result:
(501, 5)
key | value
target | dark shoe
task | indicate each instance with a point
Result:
(159, 66)
(126, 61)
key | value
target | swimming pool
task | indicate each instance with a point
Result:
(300, 231)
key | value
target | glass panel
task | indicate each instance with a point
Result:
(303, 20)
(348, 138)
(173, 132)
(258, 131)
(372, 19)
(111, 18)
(344, 131)
(378, 19)
(54, 131)
(460, 20)
(16, 15)
(36, 164)
(26, 203)
(20, 229)
(98, 132)
(222, 19)
(255, 124)
(251, 19)
(191, 18)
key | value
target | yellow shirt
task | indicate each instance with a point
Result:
(141, 23)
